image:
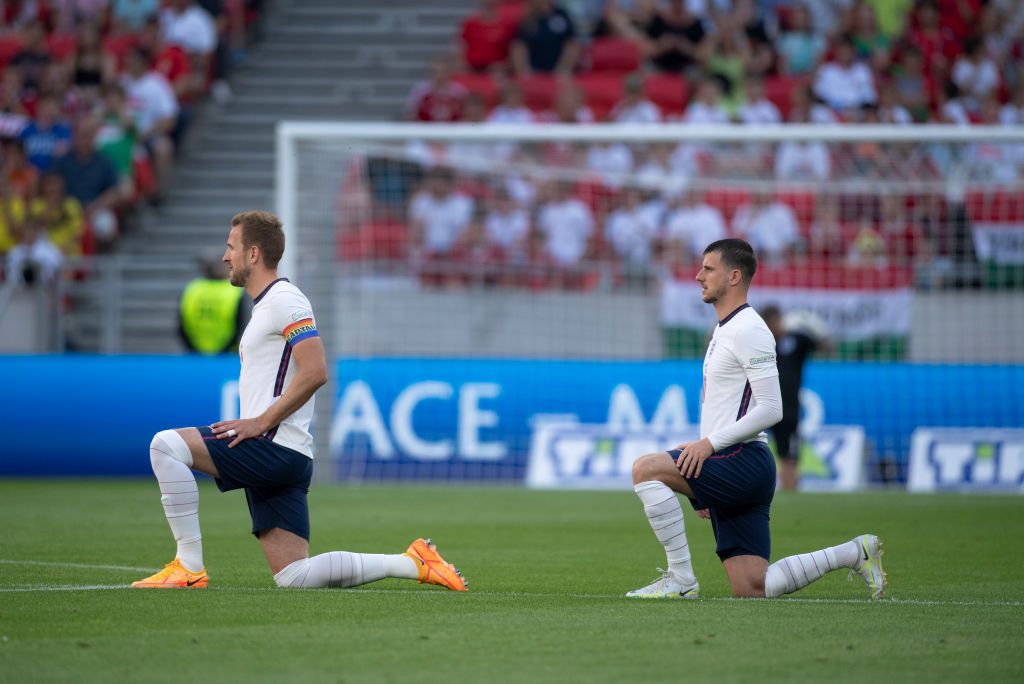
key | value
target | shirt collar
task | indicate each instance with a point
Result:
(261, 295)
(728, 318)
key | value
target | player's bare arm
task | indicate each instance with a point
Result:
(310, 375)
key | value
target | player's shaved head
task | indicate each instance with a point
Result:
(262, 229)
(735, 253)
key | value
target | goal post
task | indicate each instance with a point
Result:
(899, 248)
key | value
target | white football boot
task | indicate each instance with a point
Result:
(869, 564)
(666, 587)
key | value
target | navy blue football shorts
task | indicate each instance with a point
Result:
(737, 485)
(275, 478)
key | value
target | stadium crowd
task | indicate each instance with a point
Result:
(827, 62)
(95, 98)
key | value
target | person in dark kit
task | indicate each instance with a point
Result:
(213, 312)
(793, 346)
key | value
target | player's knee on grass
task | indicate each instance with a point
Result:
(169, 444)
(746, 575)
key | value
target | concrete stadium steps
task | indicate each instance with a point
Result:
(316, 60)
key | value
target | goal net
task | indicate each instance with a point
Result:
(477, 285)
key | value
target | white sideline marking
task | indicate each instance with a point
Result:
(61, 587)
(501, 594)
(87, 566)
(492, 594)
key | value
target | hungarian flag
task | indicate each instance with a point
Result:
(857, 303)
(997, 218)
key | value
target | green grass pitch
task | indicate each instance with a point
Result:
(547, 572)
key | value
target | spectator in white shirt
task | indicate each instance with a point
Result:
(1012, 113)
(952, 109)
(845, 84)
(769, 226)
(569, 107)
(976, 74)
(706, 107)
(802, 160)
(439, 214)
(506, 224)
(567, 224)
(634, 107)
(631, 229)
(511, 108)
(804, 107)
(151, 100)
(612, 162)
(694, 223)
(990, 160)
(474, 155)
(655, 166)
(890, 111)
(187, 24)
(758, 110)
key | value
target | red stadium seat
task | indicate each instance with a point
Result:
(668, 91)
(999, 206)
(118, 46)
(726, 199)
(10, 45)
(384, 239)
(61, 46)
(602, 91)
(779, 89)
(539, 91)
(481, 84)
(614, 54)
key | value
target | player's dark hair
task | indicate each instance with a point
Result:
(262, 229)
(736, 253)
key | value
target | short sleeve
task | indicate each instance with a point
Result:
(292, 315)
(755, 351)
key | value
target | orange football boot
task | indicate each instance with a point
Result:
(433, 569)
(174, 576)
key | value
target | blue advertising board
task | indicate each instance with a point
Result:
(441, 419)
(95, 415)
(453, 418)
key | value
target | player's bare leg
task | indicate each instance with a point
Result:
(173, 454)
(282, 548)
(656, 480)
(746, 575)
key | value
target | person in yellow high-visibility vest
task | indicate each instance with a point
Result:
(212, 313)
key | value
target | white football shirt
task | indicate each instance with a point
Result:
(742, 350)
(281, 318)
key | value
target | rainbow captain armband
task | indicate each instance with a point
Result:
(300, 330)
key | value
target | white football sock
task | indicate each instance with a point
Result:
(796, 572)
(666, 517)
(172, 460)
(344, 569)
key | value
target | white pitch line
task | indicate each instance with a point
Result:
(499, 594)
(86, 566)
(61, 587)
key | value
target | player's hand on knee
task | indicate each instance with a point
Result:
(704, 513)
(238, 430)
(692, 456)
